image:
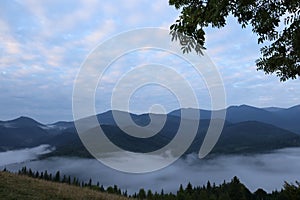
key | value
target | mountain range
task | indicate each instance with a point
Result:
(246, 129)
(288, 118)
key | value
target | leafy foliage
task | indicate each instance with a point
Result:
(282, 56)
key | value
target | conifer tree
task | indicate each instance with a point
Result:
(57, 176)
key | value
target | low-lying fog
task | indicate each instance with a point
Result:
(19, 156)
(267, 171)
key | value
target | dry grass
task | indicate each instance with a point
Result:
(14, 186)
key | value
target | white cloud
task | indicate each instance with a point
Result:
(10, 44)
(98, 35)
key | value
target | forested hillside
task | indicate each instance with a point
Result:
(41, 185)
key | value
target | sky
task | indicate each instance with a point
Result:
(43, 44)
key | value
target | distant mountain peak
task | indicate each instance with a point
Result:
(297, 107)
(24, 118)
(244, 106)
(25, 121)
(273, 109)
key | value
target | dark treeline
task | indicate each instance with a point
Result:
(233, 190)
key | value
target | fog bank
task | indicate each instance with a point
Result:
(267, 171)
(22, 155)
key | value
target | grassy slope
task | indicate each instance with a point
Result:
(14, 186)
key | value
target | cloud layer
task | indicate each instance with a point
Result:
(23, 155)
(43, 45)
(267, 171)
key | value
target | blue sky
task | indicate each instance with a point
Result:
(43, 44)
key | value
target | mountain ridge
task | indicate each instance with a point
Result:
(189, 108)
(255, 124)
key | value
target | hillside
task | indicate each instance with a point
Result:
(246, 130)
(14, 186)
(239, 138)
